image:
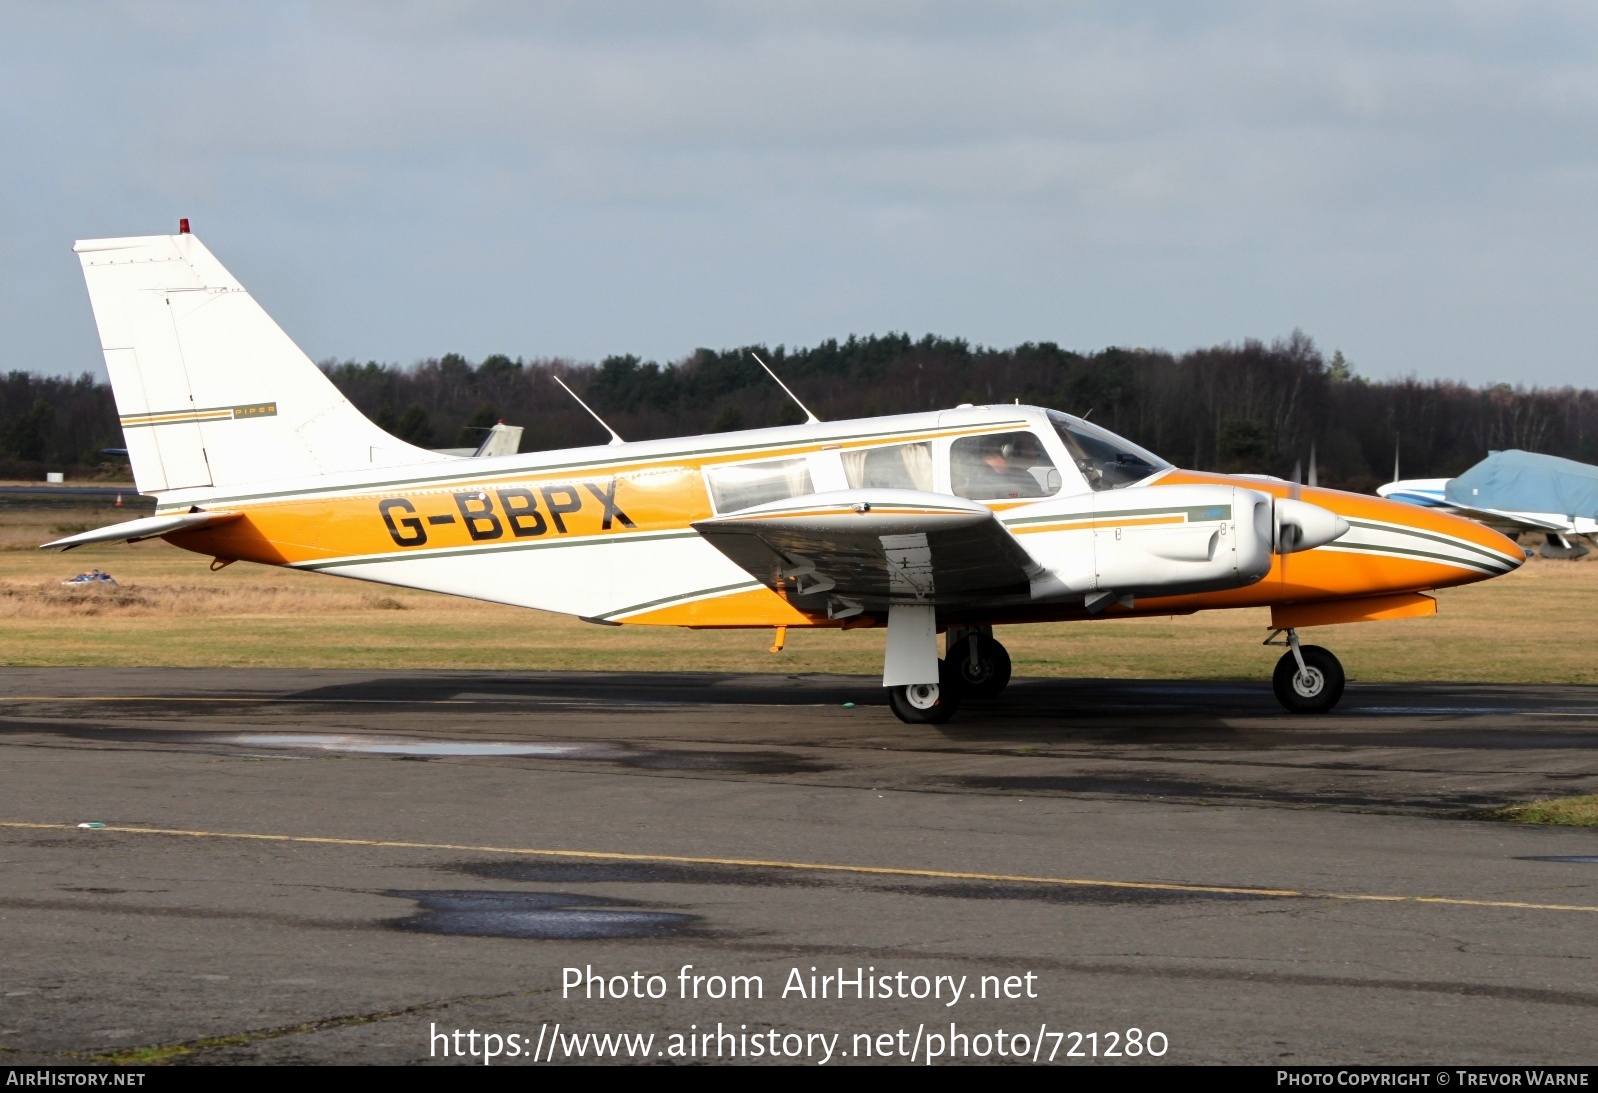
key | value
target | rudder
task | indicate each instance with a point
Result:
(210, 391)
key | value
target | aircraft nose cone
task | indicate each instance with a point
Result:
(1303, 526)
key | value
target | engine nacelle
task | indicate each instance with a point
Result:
(1147, 541)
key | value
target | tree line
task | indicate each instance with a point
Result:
(1255, 406)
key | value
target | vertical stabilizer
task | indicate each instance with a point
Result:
(209, 389)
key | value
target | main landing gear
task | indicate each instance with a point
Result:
(980, 662)
(1308, 678)
(927, 703)
(976, 666)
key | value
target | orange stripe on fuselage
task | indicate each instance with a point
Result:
(668, 493)
(734, 610)
(665, 493)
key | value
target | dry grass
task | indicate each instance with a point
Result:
(1564, 811)
(1536, 625)
(53, 600)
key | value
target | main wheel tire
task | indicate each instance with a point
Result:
(992, 674)
(1316, 689)
(927, 703)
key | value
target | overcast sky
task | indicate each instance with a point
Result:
(1414, 184)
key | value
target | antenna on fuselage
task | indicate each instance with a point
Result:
(810, 419)
(614, 438)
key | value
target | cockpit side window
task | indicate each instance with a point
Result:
(1001, 465)
(1105, 460)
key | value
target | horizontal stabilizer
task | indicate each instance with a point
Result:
(150, 527)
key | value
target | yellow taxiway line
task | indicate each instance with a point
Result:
(823, 867)
(266, 698)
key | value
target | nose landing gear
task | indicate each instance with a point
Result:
(1308, 678)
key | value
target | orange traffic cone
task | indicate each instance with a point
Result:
(119, 501)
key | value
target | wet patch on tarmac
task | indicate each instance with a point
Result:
(763, 761)
(537, 915)
(1511, 737)
(607, 689)
(94, 891)
(373, 745)
(1166, 788)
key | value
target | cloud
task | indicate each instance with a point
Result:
(1157, 174)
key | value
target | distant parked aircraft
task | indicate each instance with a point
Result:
(1514, 491)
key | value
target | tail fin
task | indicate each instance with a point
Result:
(502, 439)
(210, 390)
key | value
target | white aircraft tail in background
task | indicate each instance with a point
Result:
(502, 439)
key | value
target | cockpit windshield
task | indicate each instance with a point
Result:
(1105, 460)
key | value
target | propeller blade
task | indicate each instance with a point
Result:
(1314, 479)
(1298, 479)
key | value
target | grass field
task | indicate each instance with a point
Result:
(1538, 624)
(1561, 811)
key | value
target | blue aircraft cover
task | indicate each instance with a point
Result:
(1517, 481)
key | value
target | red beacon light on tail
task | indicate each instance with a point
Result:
(183, 226)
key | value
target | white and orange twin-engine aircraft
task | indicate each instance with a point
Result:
(952, 521)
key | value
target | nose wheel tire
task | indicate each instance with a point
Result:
(989, 676)
(1316, 688)
(927, 703)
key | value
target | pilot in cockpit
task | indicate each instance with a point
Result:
(1004, 467)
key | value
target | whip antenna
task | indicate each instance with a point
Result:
(614, 438)
(810, 419)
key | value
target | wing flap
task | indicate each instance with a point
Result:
(870, 548)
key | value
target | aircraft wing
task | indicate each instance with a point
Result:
(1517, 521)
(842, 552)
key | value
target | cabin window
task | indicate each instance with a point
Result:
(1106, 461)
(901, 467)
(751, 484)
(1001, 465)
